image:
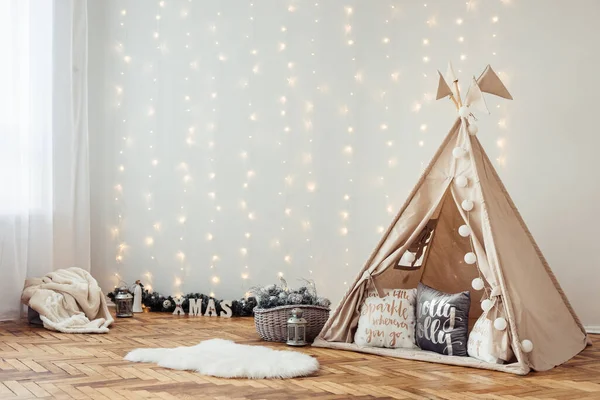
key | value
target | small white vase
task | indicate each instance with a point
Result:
(137, 299)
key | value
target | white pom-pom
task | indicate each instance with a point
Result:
(461, 181)
(477, 283)
(458, 152)
(464, 111)
(409, 257)
(472, 129)
(470, 258)
(527, 345)
(464, 230)
(467, 205)
(486, 305)
(500, 323)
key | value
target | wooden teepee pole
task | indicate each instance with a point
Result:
(457, 93)
(454, 101)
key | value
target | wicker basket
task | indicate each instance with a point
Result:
(271, 323)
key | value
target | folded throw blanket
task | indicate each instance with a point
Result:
(69, 301)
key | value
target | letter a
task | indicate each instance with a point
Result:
(211, 310)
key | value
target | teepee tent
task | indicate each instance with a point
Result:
(461, 187)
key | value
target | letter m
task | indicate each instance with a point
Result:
(195, 306)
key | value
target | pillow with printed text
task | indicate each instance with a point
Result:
(387, 321)
(442, 321)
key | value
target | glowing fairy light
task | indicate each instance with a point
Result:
(289, 120)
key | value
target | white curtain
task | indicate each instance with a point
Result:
(44, 185)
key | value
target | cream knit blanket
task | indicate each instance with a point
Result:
(69, 301)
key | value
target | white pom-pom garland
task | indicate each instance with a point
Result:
(461, 181)
(473, 129)
(458, 152)
(467, 205)
(409, 257)
(486, 305)
(527, 345)
(470, 258)
(477, 283)
(500, 323)
(464, 230)
(464, 111)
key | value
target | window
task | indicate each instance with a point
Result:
(25, 104)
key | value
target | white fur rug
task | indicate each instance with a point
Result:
(226, 359)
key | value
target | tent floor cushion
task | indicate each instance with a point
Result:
(423, 355)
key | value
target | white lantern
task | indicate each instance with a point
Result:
(470, 258)
(500, 323)
(124, 303)
(461, 181)
(527, 345)
(458, 152)
(472, 129)
(486, 305)
(477, 283)
(296, 329)
(464, 230)
(467, 205)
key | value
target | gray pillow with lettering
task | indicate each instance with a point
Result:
(442, 321)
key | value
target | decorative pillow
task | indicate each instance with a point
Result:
(387, 321)
(442, 321)
(487, 343)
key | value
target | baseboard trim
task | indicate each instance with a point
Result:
(592, 328)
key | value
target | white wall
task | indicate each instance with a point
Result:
(544, 142)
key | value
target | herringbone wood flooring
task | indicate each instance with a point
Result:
(36, 363)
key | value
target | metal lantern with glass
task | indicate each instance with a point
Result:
(296, 329)
(124, 303)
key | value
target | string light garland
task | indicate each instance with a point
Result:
(119, 112)
(239, 161)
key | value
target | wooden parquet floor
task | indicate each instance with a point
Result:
(36, 363)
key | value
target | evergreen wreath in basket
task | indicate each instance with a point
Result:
(275, 303)
(271, 296)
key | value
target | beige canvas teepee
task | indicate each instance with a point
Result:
(460, 186)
